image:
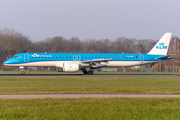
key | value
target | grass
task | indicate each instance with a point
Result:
(49, 72)
(90, 85)
(91, 109)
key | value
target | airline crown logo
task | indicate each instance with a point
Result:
(161, 43)
(161, 46)
(35, 55)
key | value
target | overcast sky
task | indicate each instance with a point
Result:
(91, 19)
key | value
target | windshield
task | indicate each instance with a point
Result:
(15, 57)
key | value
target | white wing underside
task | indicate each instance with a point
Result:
(96, 63)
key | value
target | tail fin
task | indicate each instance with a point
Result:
(162, 45)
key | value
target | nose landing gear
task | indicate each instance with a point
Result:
(22, 72)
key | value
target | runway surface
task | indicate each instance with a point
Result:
(95, 75)
(39, 96)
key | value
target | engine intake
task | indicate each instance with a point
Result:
(70, 67)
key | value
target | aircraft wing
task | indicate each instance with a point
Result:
(96, 63)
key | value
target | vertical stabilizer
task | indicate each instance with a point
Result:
(162, 45)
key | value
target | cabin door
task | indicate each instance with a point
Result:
(26, 57)
(141, 58)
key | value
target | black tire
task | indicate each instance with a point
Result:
(85, 72)
(90, 72)
(22, 72)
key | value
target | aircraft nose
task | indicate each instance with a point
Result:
(6, 62)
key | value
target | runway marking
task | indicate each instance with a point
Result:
(37, 96)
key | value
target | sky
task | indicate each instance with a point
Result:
(91, 19)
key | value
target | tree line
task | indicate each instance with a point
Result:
(13, 42)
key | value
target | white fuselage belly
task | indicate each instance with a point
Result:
(60, 63)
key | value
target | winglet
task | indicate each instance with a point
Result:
(162, 45)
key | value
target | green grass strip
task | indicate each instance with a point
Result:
(92, 109)
(90, 85)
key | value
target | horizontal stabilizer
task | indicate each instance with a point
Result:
(167, 57)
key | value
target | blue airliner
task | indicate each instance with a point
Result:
(73, 62)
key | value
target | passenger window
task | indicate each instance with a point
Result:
(45, 57)
(70, 57)
(126, 57)
(42, 57)
(92, 57)
(86, 57)
(95, 57)
(39, 57)
(82, 57)
(66, 57)
(53, 57)
(32, 57)
(123, 57)
(35, 57)
(63, 57)
(99, 57)
(105, 57)
(89, 57)
(49, 57)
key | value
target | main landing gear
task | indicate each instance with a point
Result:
(90, 72)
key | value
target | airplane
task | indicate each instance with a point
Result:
(73, 62)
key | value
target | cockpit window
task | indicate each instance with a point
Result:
(15, 57)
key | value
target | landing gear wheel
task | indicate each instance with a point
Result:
(90, 72)
(85, 72)
(22, 72)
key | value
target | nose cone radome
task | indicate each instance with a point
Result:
(11, 62)
(6, 62)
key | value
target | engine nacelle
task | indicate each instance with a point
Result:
(70, 67)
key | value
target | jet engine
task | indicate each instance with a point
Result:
(70, 67)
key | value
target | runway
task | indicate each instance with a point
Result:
(95, 75)
(40, 96)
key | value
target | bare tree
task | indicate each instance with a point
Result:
(13, 42)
